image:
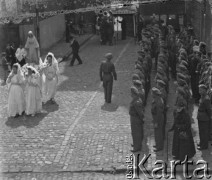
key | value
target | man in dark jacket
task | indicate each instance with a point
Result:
(107, 74)
(204, 117)
(75, 50)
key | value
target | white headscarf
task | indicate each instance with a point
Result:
(20, 75)
(31, 42)
(54, 61)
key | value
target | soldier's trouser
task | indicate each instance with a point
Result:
(108, 87)
(159, 137)
(76, 56)
(194, 86)
(137, 132)
(203, 133)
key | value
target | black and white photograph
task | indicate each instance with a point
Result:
(105, 89)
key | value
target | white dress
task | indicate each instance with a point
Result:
(50, 83)
(16, 100)
(33, 95)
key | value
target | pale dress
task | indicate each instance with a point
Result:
(16, 100)
(33, 96)
(50, 83)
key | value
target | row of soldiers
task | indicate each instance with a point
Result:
(159, 94)
(141, 79)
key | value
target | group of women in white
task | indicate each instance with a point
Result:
(32, 85)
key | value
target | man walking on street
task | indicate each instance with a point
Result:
(75, 50)
(107, 74)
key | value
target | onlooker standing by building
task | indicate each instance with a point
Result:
(4, 66)
(21, 55)
(75, 50)
(107, 74)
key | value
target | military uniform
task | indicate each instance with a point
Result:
(107, 75)
(136, 120)
(157, 111)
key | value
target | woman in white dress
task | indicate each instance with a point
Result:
(16, 100)
(32, 48)
(50, 79)
(33, 92)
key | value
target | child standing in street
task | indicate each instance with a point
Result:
(4, 66)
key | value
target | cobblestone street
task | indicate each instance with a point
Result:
(80, 137)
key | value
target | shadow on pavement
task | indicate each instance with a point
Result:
(29, 121)
(26, 121)
(109, 107)
(51, 107)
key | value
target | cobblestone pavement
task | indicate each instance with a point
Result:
(81, 134)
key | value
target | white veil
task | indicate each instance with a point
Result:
(54, 62)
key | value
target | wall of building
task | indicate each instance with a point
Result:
(52, 30)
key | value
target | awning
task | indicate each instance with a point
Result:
(124, 11)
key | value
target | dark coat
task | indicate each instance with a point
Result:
(182, 146)
(75, 46)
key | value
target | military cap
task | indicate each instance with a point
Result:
(156, 91)
(137, 82)
(181, 76)
(109, 56)
(161, 71)
(203, 86)
(161, 82)
(141, 52)
(205, 60)
(208, 63)
(184, 63)
(183, 67)
(135, 77)
(134, 90)
(140, 58)
(181, 82)
(159, 76)
(181, 91)
(138, 66)
(202, 44)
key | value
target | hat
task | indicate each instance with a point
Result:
(109, 56)
(181, 91)
(137, 82)
(203, 86)
(135, 77)
(134, 90)
(202, 44)
(182, 67)
(156, 91)
(140, 58)
(161, 82)
(181, 82)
